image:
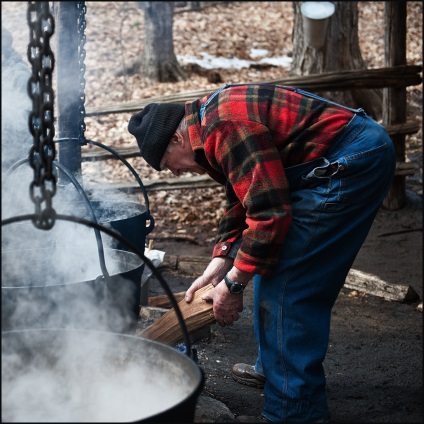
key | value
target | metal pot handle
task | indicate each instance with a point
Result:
(132, 247)
(86, 200)
(136, 176)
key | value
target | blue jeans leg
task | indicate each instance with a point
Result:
(335, 200)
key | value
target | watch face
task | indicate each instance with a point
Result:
(233, 286)
(237, 288)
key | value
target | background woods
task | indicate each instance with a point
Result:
(242, 42)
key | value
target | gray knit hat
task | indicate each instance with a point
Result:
(153, 128)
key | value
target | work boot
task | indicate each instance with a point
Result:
(246, 374)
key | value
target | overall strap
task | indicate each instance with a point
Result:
(203, 107)
(296, 90)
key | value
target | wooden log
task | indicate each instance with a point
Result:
(152, 312)
(178, 183)
(371, 284)
(97, 153)
(149, 313)
(405, 168)
(405, 128)
(196, 314)
(396, 76)
(162, 301)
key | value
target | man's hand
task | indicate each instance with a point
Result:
(226, 306)
(214, 273)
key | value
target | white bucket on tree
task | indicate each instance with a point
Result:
(315, 15)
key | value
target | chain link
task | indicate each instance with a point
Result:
(82, 39)
(41, 118)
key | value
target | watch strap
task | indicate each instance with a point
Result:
(234, 286)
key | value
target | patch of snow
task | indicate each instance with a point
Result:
(254, 53)
(283, 61)
(212, 62)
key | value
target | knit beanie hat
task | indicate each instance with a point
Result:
(153, 128)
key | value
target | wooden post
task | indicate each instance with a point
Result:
(66, 18)
(394, 99)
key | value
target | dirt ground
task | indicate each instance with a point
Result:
(374, 360)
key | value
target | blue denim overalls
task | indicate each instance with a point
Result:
(334, 200)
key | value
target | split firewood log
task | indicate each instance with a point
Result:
(196, 314)
(162, 301)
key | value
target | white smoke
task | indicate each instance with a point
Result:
(68, 254)
(54, 279)
(99, 377)
(15, 136)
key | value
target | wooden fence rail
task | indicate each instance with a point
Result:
(392, 77)
(97, 153)
(396, 76)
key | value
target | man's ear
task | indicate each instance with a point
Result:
(179, 141)
(174, 140)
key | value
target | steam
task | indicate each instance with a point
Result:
(16, 139)
(101, 381)
(53, 279)
(64, 262)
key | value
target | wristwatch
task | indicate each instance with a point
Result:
(234, 286)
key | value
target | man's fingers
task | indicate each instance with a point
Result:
(208, 295)
(188, 295)
(227, 320)
(191, 290)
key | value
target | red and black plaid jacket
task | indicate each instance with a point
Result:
(248, 135)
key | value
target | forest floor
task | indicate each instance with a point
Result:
(374, 361)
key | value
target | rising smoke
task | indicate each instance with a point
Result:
(65, 256)
(53, 279)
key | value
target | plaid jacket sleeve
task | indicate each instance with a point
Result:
(257, 191)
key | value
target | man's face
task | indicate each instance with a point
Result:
(179, 156)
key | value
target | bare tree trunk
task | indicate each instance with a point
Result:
(158, 59)
(340, 52)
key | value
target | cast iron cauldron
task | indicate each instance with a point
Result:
(132, 220)
(92, 376)
(64, 287)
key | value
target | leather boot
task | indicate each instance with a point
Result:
(246, 374)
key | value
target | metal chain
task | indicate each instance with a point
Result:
(82, 39)
(41, 118)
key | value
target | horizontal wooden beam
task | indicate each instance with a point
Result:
(396, 76)
(201, 181)
(405, 168)
(94, 154)
(177, 183)
(406, 128)
(97, 153)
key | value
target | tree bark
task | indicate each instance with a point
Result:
(340, 52)
(394, 99)
(158, 59)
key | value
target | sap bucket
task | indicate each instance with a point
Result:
(316, 15)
